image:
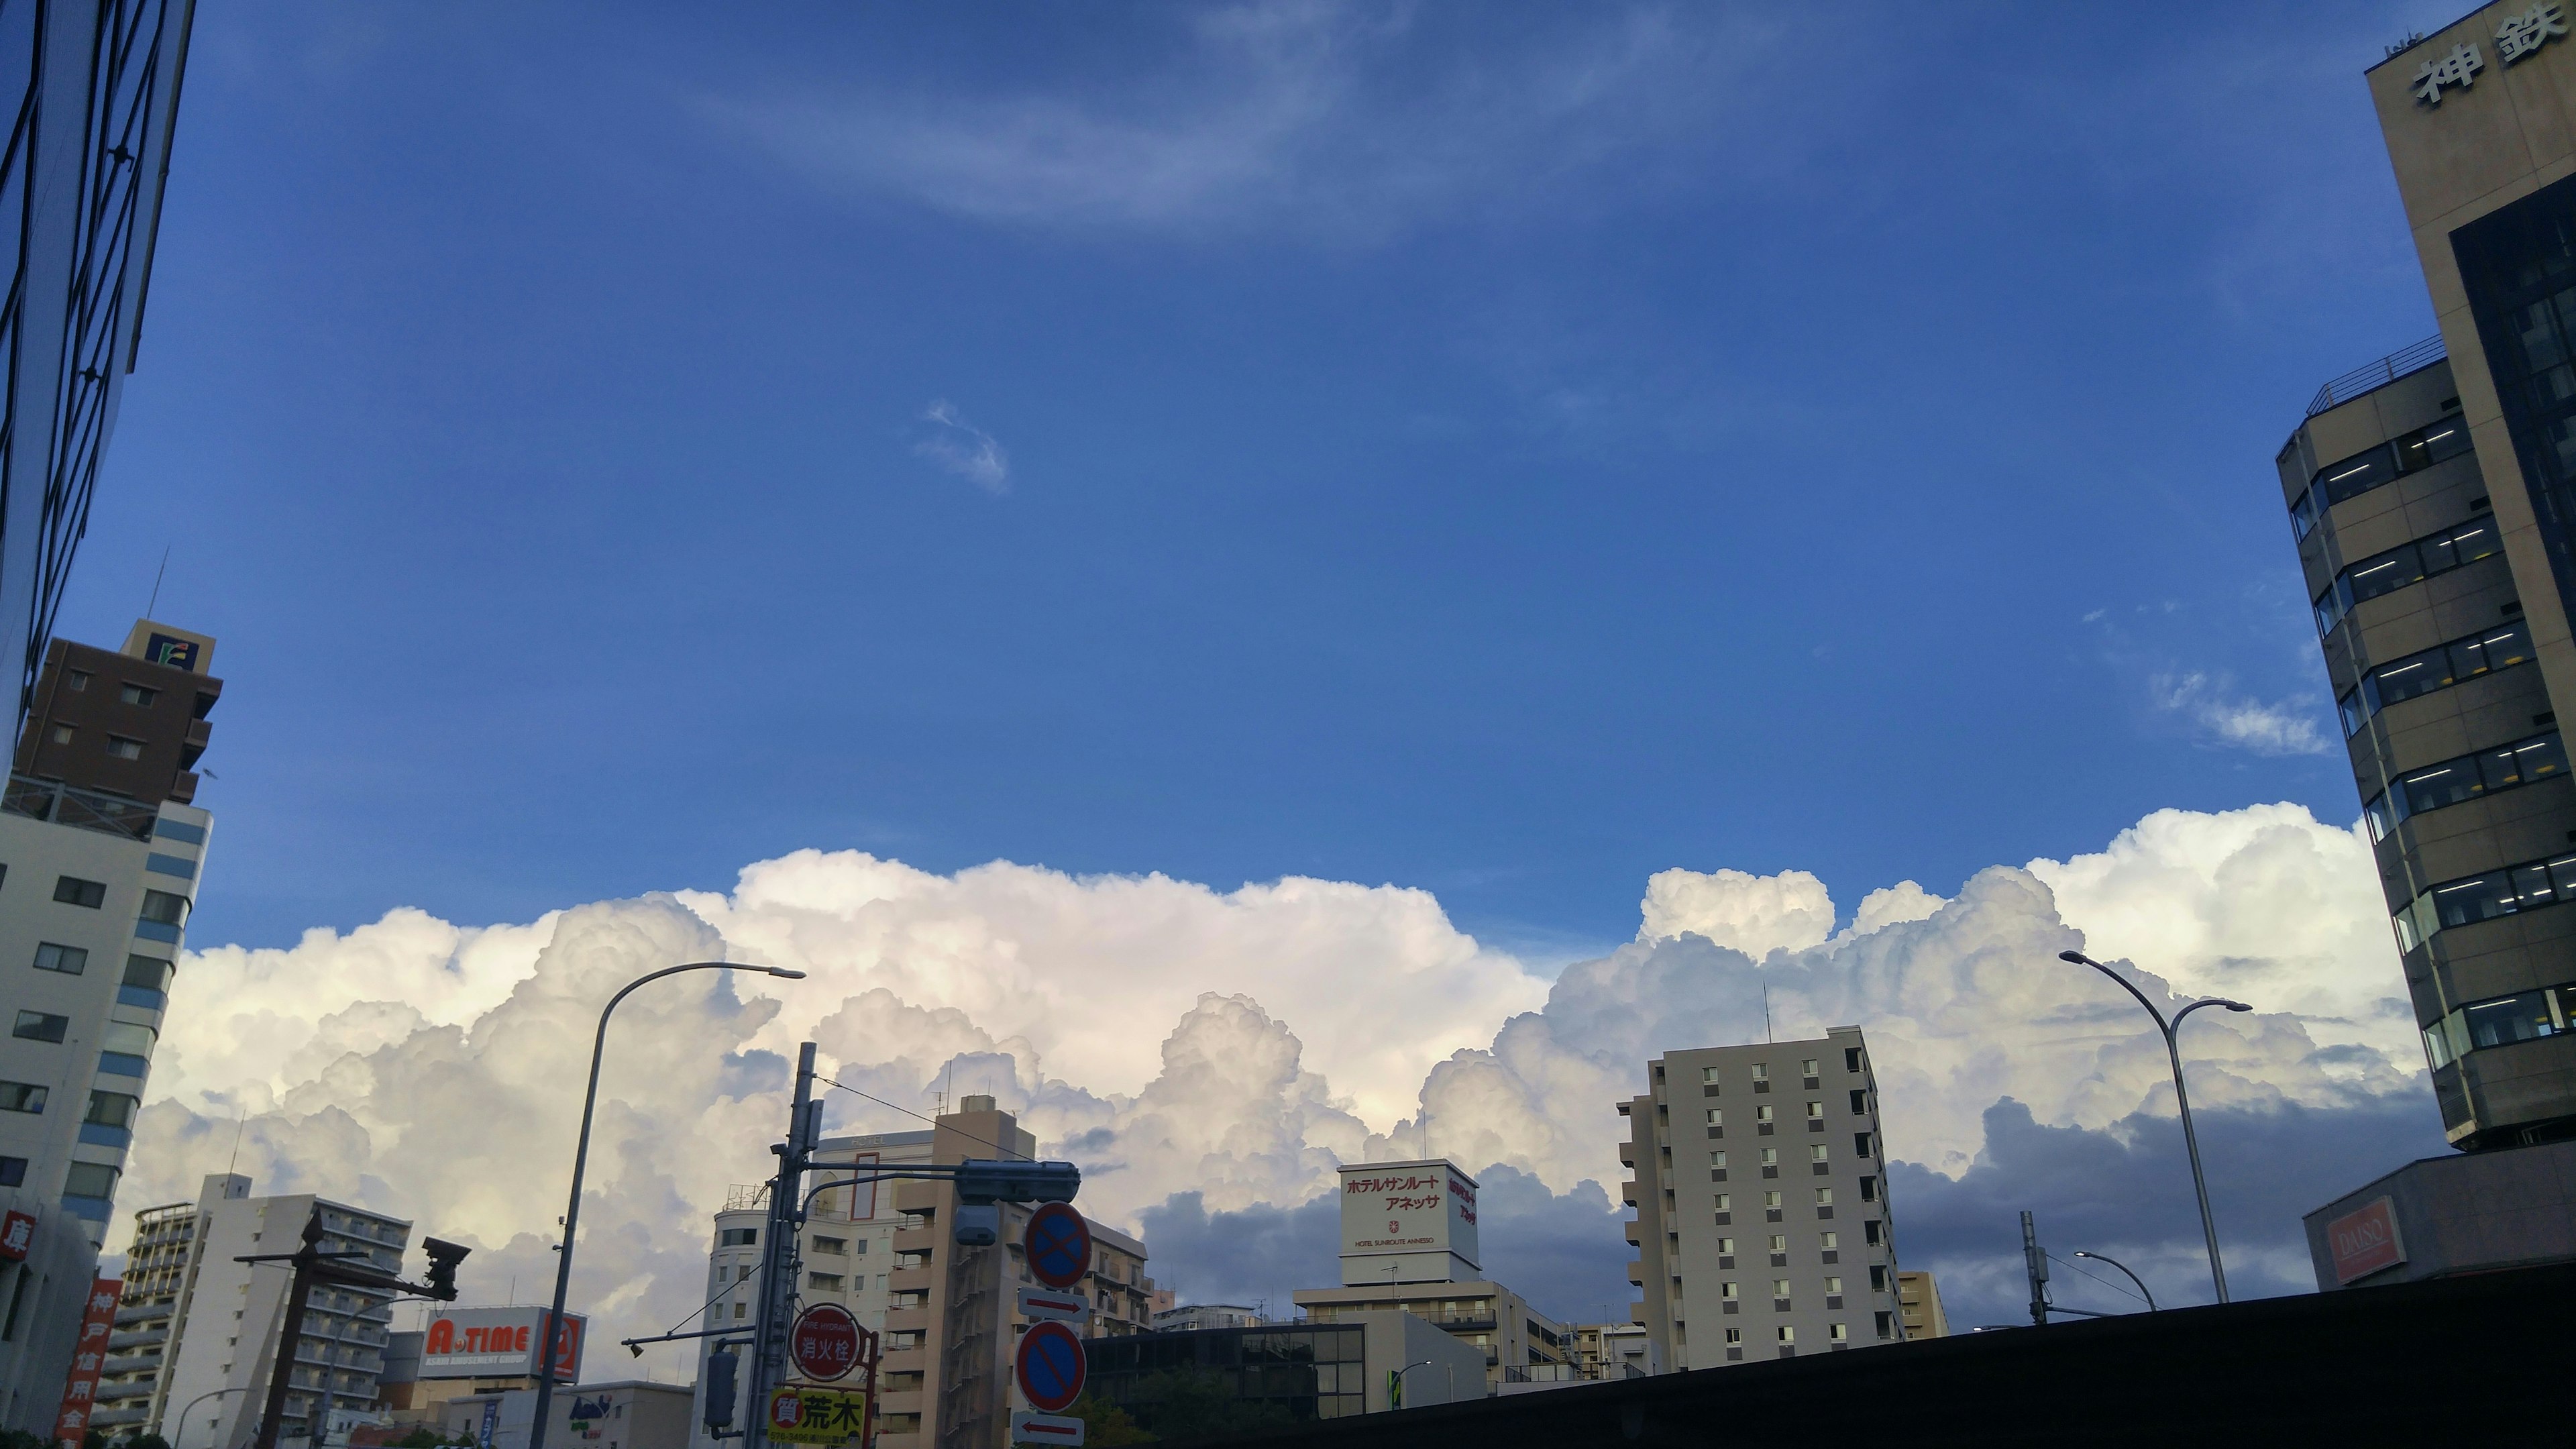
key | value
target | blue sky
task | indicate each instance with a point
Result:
(1505, 450)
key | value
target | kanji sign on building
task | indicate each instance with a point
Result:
(1411, 1209)
(826, 1342)
(98, 1321)
(817, 1416)
(17, 1235)
(2520, 36)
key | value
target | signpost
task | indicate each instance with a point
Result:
(825, 1344)
(1058, 1244)
(1028, 1428)
(800, 1415)
(1066, 1304)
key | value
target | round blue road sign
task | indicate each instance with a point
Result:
(1058, 1244)
(1051, 1367)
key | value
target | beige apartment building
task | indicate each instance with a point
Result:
(2432, 498)
(1918, 1301)
(948, 1314)
(1779, 1242)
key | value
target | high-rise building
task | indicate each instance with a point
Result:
(1786, 1246)
(1410, 1245)
(2432, 496)
(1918, 1298)
(100, 857)
(94, 90)
(197, 1332)
(948, 1315)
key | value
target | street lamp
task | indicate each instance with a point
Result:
(2182, 1098)
(1399, 1380)
(182, 1432)
(553, 1321)
(2142, 1288)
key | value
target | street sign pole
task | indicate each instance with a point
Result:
(780, 1258)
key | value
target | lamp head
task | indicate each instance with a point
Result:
(2235, 1006)
(784, 972)
(2078, 957)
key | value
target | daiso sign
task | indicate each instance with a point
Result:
(496, 1343)
(2365, 1241)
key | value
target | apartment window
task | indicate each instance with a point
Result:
(1860, 1144)
(1779, 1244)
(1851, 1059)
(1869, 1189)
(1869, 1232)
(90, 1179)
(1829, 1241)
(1837, 1333)
(1762, 1113)
(2469, 777)
(837, 1247)
(742, 1274)
(148, 972)
(119, 747)
(41, 1026)
(1877, 1280)
(1726, 1289)
(137, 694)
(76, 679)
(1788, 1333)
(21, 1097)
(126, 1037)
(1734, 1337)
(1717, 1159)
(13, 1172)
(1760, 1072)
(1816, 1153)
(737, 1237)
(1726, 1245)
(69, 960)
(862, 1246)
(1886, 1325)
(71, 890)
(1716, 1118)
(112, 1109)
(1770, 1157)
(825, 1282)
(1833, 1284)
(1725, 1203)
(1708, 1074)
(1779, 1287)
(1824, 1196)
(738, 1310)
(2440, 667)
(168, 909)
(1860, 1102)
(1815, 1111)
(62, 734)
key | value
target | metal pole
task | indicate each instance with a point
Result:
(552, 1323)
(778, 1286)
(2182, 1100)
(290, 1333)
(182, 1427)
(2035, 1263)
(2124, 1268)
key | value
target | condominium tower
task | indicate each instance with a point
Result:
(101, 854)
(1779, 1241)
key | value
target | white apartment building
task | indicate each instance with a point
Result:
(196, 1332)
(1780, 1242)
(101, 853)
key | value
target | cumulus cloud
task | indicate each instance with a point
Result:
(958, 446)
(2238, 722)
(1209, 1057)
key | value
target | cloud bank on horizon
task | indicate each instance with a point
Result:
(1210, 1056)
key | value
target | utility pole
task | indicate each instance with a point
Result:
(781, 1259)
(2035, 1259)
(314, 1266)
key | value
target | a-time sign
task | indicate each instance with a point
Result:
(2520, 36)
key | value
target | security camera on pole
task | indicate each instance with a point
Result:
(314, 1265)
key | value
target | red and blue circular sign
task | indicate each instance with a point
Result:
(1058, 1244)
(1051, 1367)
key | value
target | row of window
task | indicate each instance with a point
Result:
(1824, 1198)
(163, 907)
(2525, 1016)
(1815, 1153)
(2470, 777)
(1825, 1242)
(2386, 573)
(137, 694)
(106, 1109)
(148, 973)
(2505, 892)
(1762, 1113)
(2363, 471)
(118, 746)
(117, 1036)
(2439, 667)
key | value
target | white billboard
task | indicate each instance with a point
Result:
(496, 1343)
(1408, 1208)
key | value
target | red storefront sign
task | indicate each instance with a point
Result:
(17, 1235)
(98, 1320)
(2365, 1241)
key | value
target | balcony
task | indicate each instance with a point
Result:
(915, 1240)
(907, 1320)
(81, 809)
(909, 1280)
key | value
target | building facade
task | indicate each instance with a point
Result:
(93, 86)
(948, 1315)
(1288, 1373)
(1918, 1299)
(1206, 1315)
(197, 1332)
(101, 854)
(627, 1414)
(1787, 1244)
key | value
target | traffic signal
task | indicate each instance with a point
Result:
(443, 1258)
(721, 1366)
(988, 1180)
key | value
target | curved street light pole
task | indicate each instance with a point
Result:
(2182, 1098)
(1400, 1373)
(551, 1325)
(192, 1408)
(2124, 1268)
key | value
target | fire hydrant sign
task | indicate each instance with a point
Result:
(817, 1416)
(825, 1343)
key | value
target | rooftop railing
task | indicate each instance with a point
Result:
(2379, 374)
(84, 809)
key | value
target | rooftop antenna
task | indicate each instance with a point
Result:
(241, 1119)
(156, 582)
(1766, 1008)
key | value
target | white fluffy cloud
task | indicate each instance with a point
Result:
(1174, 1038)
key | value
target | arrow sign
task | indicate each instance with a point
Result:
(1058, 1244)
(1051, 1367)
(1028, 1428)
(1039, 1303)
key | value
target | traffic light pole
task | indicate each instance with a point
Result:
(315, 1266)
(780, 1257)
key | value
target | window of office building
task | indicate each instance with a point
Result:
(41, 1026)
(2466, 778)
(67, 959)
(71, 890)
(2439, 667)
(2438, 552)
(21, 1097)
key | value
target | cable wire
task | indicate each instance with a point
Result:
(933, 1121)
(2096, 1277)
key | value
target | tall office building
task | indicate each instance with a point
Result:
(100, 857)
(1781, 1242)
(93, 86)
(948, 1314)
(2433, 499)
(197, 1332)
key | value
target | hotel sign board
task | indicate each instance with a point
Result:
(2365, 1240)
(1408, 1207)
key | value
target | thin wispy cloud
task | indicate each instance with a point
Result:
(2238, 722)
(1343, 119)
(958, 446)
